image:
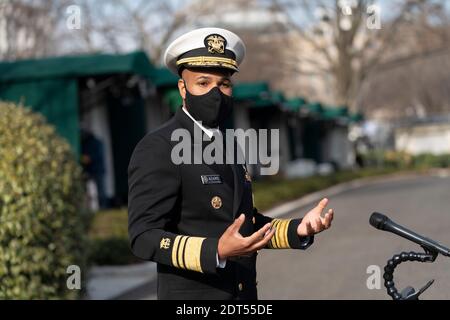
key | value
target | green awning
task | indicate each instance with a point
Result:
(331, 113)
(50, 86)
(251, 90)
(315, 107)
(294, 104)
(277, 97)
(163, 77)
(173, 99)
(76, 66)
(257, 94)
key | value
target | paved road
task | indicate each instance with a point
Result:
(335, 266)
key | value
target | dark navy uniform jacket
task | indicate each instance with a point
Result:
(177, 213)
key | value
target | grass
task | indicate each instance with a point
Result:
(110, 224)
(272, 192)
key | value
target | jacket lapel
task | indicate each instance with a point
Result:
(238, 172)
(238, 182)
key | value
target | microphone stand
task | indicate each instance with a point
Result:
(408, 293)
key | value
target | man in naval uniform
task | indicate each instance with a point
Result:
(197, 221)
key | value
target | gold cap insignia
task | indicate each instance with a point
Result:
(165, 243)
(216, 202)
(215, 43)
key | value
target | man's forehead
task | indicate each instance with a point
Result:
(207, 73)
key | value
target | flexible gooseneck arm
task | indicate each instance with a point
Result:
(408, 293)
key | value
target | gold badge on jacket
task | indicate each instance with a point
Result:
(215, 43)
(216, 202)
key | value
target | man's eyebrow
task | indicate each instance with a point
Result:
(203, 77)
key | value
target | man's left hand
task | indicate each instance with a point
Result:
(313, 222)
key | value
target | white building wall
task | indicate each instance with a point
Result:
(337, 147)
(434, 138)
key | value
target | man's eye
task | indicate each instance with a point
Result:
(203, 84)
(226, 85)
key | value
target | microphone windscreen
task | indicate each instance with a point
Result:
(378, 220)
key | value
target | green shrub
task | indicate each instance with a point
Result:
(41, 208)
(388, 159)
(432, 161)
(403, 160)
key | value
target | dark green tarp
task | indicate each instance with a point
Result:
(49, 85)
(173, 99)
(76, 66)
(294, 104)
(251, 90)
(163, 77)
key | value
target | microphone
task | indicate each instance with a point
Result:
(381, 222)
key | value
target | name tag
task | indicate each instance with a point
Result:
(211, 179)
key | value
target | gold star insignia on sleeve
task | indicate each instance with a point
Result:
(165, 243)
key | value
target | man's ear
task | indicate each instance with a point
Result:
(182, 88)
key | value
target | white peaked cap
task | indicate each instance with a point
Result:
(205, 47)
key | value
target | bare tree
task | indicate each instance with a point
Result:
(343, 45)
(38, 28)
(123, 25)
(26, 27)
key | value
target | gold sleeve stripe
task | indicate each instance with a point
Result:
(279, 234)
(284, 233)
(274, 241)
(181, 250)
(177, 250)
(193, 253)
(174, 251)
(280, 239)
(186, 253)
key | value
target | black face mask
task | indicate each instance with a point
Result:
(211, 108)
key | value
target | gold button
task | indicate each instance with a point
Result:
(254, 220)
(216, 202)
(240, 286)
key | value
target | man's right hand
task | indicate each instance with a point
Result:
(232, 243)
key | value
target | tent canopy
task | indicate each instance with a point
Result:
(76, 67)
(50, 85)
